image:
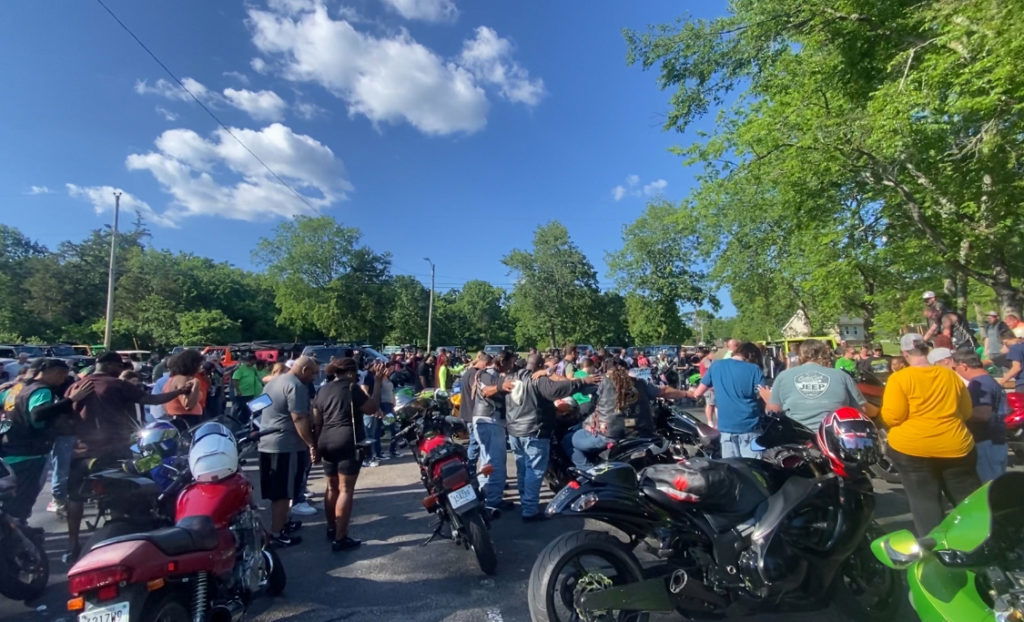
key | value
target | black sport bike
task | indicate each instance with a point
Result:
(717, 538)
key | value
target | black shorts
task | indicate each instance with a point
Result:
(338, 452)
(282, 475)
(81, 468)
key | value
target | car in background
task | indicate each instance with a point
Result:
(67, 353)
(370, 354)
(391, 350)
(496, 349)
(324, 353)
(615, 350)
(92, 350)
(8, 352)
(32, 351)
(584, 350)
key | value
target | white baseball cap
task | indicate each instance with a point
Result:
(939, 354)
(908, 341)
(928, 294)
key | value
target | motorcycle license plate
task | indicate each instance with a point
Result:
(112, 613)
(462, 496)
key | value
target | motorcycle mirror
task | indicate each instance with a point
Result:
(897, 550)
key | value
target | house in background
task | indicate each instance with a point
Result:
(848, 329)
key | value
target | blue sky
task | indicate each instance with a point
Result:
(440, 128)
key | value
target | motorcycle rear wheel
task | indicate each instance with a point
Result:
(570, 559)
(167, 609)
(481, 543)
(276, 578)
(865, 590)
(24, 567)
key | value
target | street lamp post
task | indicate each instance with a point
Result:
(110, 274)
(430, 306)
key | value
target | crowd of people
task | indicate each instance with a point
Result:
(942, 410)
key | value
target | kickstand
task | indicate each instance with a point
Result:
(437, 534)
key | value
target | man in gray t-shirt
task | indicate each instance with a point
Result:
(809, 392)
(285, 455)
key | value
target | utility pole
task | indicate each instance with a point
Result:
(110, 274)
(430, 307)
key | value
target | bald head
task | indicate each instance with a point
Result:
(534, 362)
(305, 368)
(732, 344)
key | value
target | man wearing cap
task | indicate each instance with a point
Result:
(993, 331)
(36, 408)
(934, 311)
(926, 407)
(943, 357)
(1015, 357)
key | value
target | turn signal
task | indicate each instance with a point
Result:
(487, 470)
(76, 604)
(430, 502)
(155, 584)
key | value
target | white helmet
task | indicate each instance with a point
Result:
(214, 454)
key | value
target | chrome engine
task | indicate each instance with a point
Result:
(250, 569)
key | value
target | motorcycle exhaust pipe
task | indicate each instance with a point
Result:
(680, 585)
(230, 611)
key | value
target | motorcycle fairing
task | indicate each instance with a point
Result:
(995, 509)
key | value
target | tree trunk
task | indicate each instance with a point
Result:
(1009, 296)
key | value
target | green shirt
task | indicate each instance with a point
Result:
(248, 381)
(845, 364)
(581, 398)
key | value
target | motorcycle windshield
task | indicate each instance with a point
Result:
(997, 505)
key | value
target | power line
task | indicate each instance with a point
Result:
(213, 116)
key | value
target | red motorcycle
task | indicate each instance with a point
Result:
(444, 470)
(207, 567)
(1015, 425)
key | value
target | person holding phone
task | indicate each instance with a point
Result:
(338, 411)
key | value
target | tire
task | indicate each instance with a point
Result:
(480, 541)
(167, 608)
(551, 598)
(24, 567)
(865, 590)
(277, 579)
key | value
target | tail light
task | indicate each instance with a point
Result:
(94, 579)
(456, 480)
(430, 503)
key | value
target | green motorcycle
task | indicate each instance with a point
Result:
(971, 567)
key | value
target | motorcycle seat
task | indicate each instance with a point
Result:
(727, 492)
(192, 533)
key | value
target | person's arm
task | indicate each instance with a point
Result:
(372, 403)
(1012, 373)
(771, 399)
(672, 393)
(302, 426)
(703, 387)
(557, 389)
(162, 398)
(895, 408)
(191, 397)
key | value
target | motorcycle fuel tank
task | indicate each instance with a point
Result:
(218, 500)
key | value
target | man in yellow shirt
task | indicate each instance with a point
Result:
(925, 408)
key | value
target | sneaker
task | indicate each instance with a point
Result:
(52, 505)
(303, 509)
(369, 464)
(285, 539)
(383, 458)
(393, 455)
(345, 544)
(292, 526)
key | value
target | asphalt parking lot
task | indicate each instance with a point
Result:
(393, 577)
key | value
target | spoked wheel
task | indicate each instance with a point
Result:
(865, 589)
(24, 566)
(574, 564)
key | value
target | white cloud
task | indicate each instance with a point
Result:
(307, 110)
(170, 90)
(167, 114)
(237, 76)
(102, 199)
(387, 80)
(259, 65)
(218, 177)
(655, 187)
(39, 190)
(633, 188)
(488, 57)
(261, 105)
(426, 10)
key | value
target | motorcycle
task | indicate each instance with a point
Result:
(208, 566)
(452, 494)
(679, 435)
(971, 566)
(24, 567)
(1015, 425)
(871, 384)
(728, 537)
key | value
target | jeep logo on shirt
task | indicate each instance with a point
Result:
(811, 384)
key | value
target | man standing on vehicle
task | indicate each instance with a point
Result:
(246, 381)
(104, 422)
(285, 454)
(531, 420)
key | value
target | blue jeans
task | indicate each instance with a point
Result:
(738, 445)
(473, 451)
(373, 426)
(586, 443)
(992, 460)
(491, 438)
(532, 456)
(60, 459)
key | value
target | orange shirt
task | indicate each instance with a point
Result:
(176, 406)
(925, 409)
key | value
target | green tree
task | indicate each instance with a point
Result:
(903, 115)
(407, 311)
(654, 321)
(208, 326)
(324, 281)
(486, 320)
(556, 295)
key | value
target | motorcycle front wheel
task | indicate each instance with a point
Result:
(480, 541)
(24, 566)
(576, 563)
(865, 590)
